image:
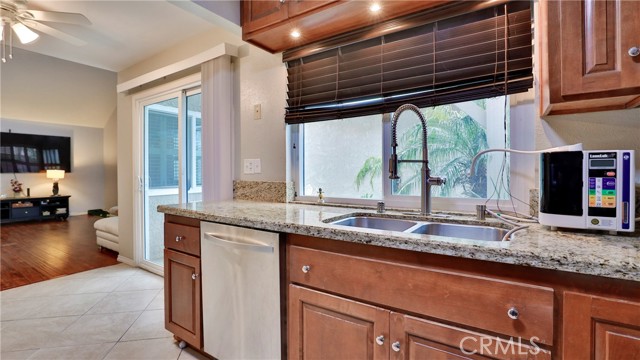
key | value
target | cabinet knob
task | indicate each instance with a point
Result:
(179, 238)
(513, 313)
(194, 276)
(634, 51)
(306, 269)
(380, 340)
(396, 346)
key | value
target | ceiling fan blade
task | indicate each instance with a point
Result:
(61, 17)
(56, 33)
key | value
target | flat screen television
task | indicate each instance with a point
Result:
(26, 153)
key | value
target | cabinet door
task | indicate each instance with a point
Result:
(414, 338)
(257, 14)
(297, 7)
(323, 326)
(183, 297)
(595, 39)
(609, 327)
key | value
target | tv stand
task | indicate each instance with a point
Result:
(15, 209)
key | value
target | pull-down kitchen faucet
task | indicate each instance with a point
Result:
(426, 179)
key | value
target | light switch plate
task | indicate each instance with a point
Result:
(257, 111)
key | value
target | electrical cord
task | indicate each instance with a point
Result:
(518, 227)
(497, 216)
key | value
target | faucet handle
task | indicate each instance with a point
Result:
(436, 180)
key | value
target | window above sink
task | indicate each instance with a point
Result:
(348, 158)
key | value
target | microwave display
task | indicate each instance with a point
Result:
(602, 164)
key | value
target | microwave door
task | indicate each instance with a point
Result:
(561, 188)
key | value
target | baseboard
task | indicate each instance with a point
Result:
(126, 260)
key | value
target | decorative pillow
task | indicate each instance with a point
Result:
(114, 210)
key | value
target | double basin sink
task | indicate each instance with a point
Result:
(472, 232)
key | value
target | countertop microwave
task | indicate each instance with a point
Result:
(589, 189)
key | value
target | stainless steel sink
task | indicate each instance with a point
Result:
(473, 232)
(370, 222)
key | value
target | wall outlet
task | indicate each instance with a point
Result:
(252, 166)
(248, 166)
(257, 111)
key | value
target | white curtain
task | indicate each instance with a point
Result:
(217, 129)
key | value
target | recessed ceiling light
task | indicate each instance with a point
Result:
(295, 34)
(375, 7)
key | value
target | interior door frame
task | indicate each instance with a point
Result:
(140, 100)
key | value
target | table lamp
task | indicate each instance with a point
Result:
(55, 175)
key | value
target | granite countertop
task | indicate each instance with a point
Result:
(614, 256)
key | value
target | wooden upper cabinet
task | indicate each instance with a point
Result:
(600, 328)
(298, 7)
(585, 59)
(259, 14)
(262, 13)
(268, 24)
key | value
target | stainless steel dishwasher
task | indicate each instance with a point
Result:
(240, 292)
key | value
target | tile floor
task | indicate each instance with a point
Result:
(114, 312)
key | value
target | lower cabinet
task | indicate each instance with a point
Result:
(182, 280)
(323, 326)
(183, 297)
(415, 338)
(608, 327)
(326, 326)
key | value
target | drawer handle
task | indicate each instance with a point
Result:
(179, 238)
(194, 276)
(380, 340)
(513, 313)
(634, 51)
(306, 269)
(396, 346)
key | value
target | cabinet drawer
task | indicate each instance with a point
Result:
(182, 238)
(476, 301)
(25, 212)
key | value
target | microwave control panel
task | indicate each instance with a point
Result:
(602, 169)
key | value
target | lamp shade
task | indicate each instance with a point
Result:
(55, 174)
(25, 35)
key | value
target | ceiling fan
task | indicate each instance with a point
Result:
(16, 18)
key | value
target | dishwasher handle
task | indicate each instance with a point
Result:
(230, 243)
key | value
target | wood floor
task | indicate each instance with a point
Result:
(36, 251)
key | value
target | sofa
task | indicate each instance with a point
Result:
(107, 231)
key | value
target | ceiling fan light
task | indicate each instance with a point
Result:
(25, 35)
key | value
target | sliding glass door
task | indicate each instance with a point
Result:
(171, 170)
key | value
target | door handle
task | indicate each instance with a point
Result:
(244, 245)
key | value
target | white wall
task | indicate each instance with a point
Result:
(45, 95)
(263, 80)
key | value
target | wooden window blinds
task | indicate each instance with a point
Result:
(476, 55)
